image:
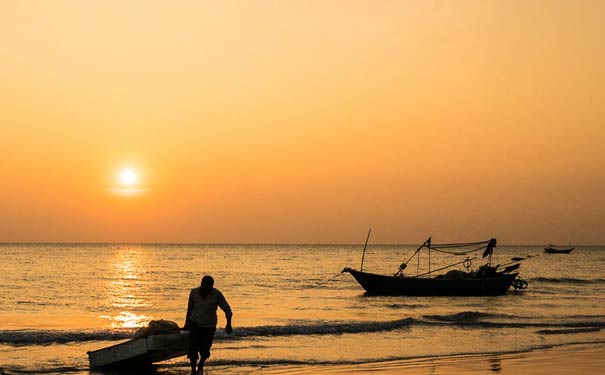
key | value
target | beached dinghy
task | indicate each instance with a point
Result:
(142, 351)
(487, 280)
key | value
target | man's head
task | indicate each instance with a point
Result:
(207, 284)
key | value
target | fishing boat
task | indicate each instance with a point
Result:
(141, 352)
(487, 280)
(375, 284)
(552, 249)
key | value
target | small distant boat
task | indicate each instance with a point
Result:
(141, 352)
(551, 249)
(487, 280)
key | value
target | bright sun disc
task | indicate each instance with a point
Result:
(128, 177)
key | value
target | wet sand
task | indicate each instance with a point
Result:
(564, 360)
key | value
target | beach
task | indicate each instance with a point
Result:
(574, 359)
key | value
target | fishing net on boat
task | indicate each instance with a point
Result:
(155, 327)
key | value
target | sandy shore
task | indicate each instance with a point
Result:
(564, 360)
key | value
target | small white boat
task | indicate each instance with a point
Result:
(141, 352)
(552, 249)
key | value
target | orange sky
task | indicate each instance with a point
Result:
(303, 121)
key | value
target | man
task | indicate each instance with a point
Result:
(201, 321)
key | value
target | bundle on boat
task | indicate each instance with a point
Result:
(486, 280)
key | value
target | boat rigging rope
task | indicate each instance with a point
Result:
(456, 252)
(487, 245)
(518, 260)
(323, 282)
(442, 268)
(461, 244)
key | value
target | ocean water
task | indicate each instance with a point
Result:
(291, 305)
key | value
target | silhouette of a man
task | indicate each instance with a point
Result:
(201, 321)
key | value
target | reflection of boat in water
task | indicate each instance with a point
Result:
(552, 249)
(141, 352)
(487, 280)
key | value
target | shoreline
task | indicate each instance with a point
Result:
(585, 358)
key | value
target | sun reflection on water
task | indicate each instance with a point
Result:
(126, 319)
(127, 288)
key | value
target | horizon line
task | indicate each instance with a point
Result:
(240, 243)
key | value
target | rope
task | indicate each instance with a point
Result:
(439, 247)
(461, 244)
(323, 282)
(457, 252)
(519, 260)
(442, 268)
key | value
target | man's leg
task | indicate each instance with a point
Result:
(192, 361)
(200, 366)
(207, 336)
(194, 338)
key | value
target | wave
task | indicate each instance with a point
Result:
(476, 319)
(398, 306)
(43, 370)
(48, 337)
(567, 280)
(481, 320)
(468, 316)
(324, 328)
(568, 331)
(467, 319)
(486, 324)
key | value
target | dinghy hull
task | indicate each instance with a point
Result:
(552, 250)
(141, 352)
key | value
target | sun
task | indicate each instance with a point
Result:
(128, 182)
(128, 177)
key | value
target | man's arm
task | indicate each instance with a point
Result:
(222, 303)
(189, 310)
(228, 328)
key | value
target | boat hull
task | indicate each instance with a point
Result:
(134, 354)
(375, 284)
(551, 250)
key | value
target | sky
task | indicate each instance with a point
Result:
(302, 121)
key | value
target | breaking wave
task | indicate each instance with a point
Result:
(44, 370)
(468, 316)
(48, 337)
(566, 280)
(528, 324)
(472, 319)
(326, 328)
(568, 331)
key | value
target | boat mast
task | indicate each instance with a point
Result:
(364, 250)
(426, 243)
(429, 248)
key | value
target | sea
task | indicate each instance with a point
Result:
(293, 308)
